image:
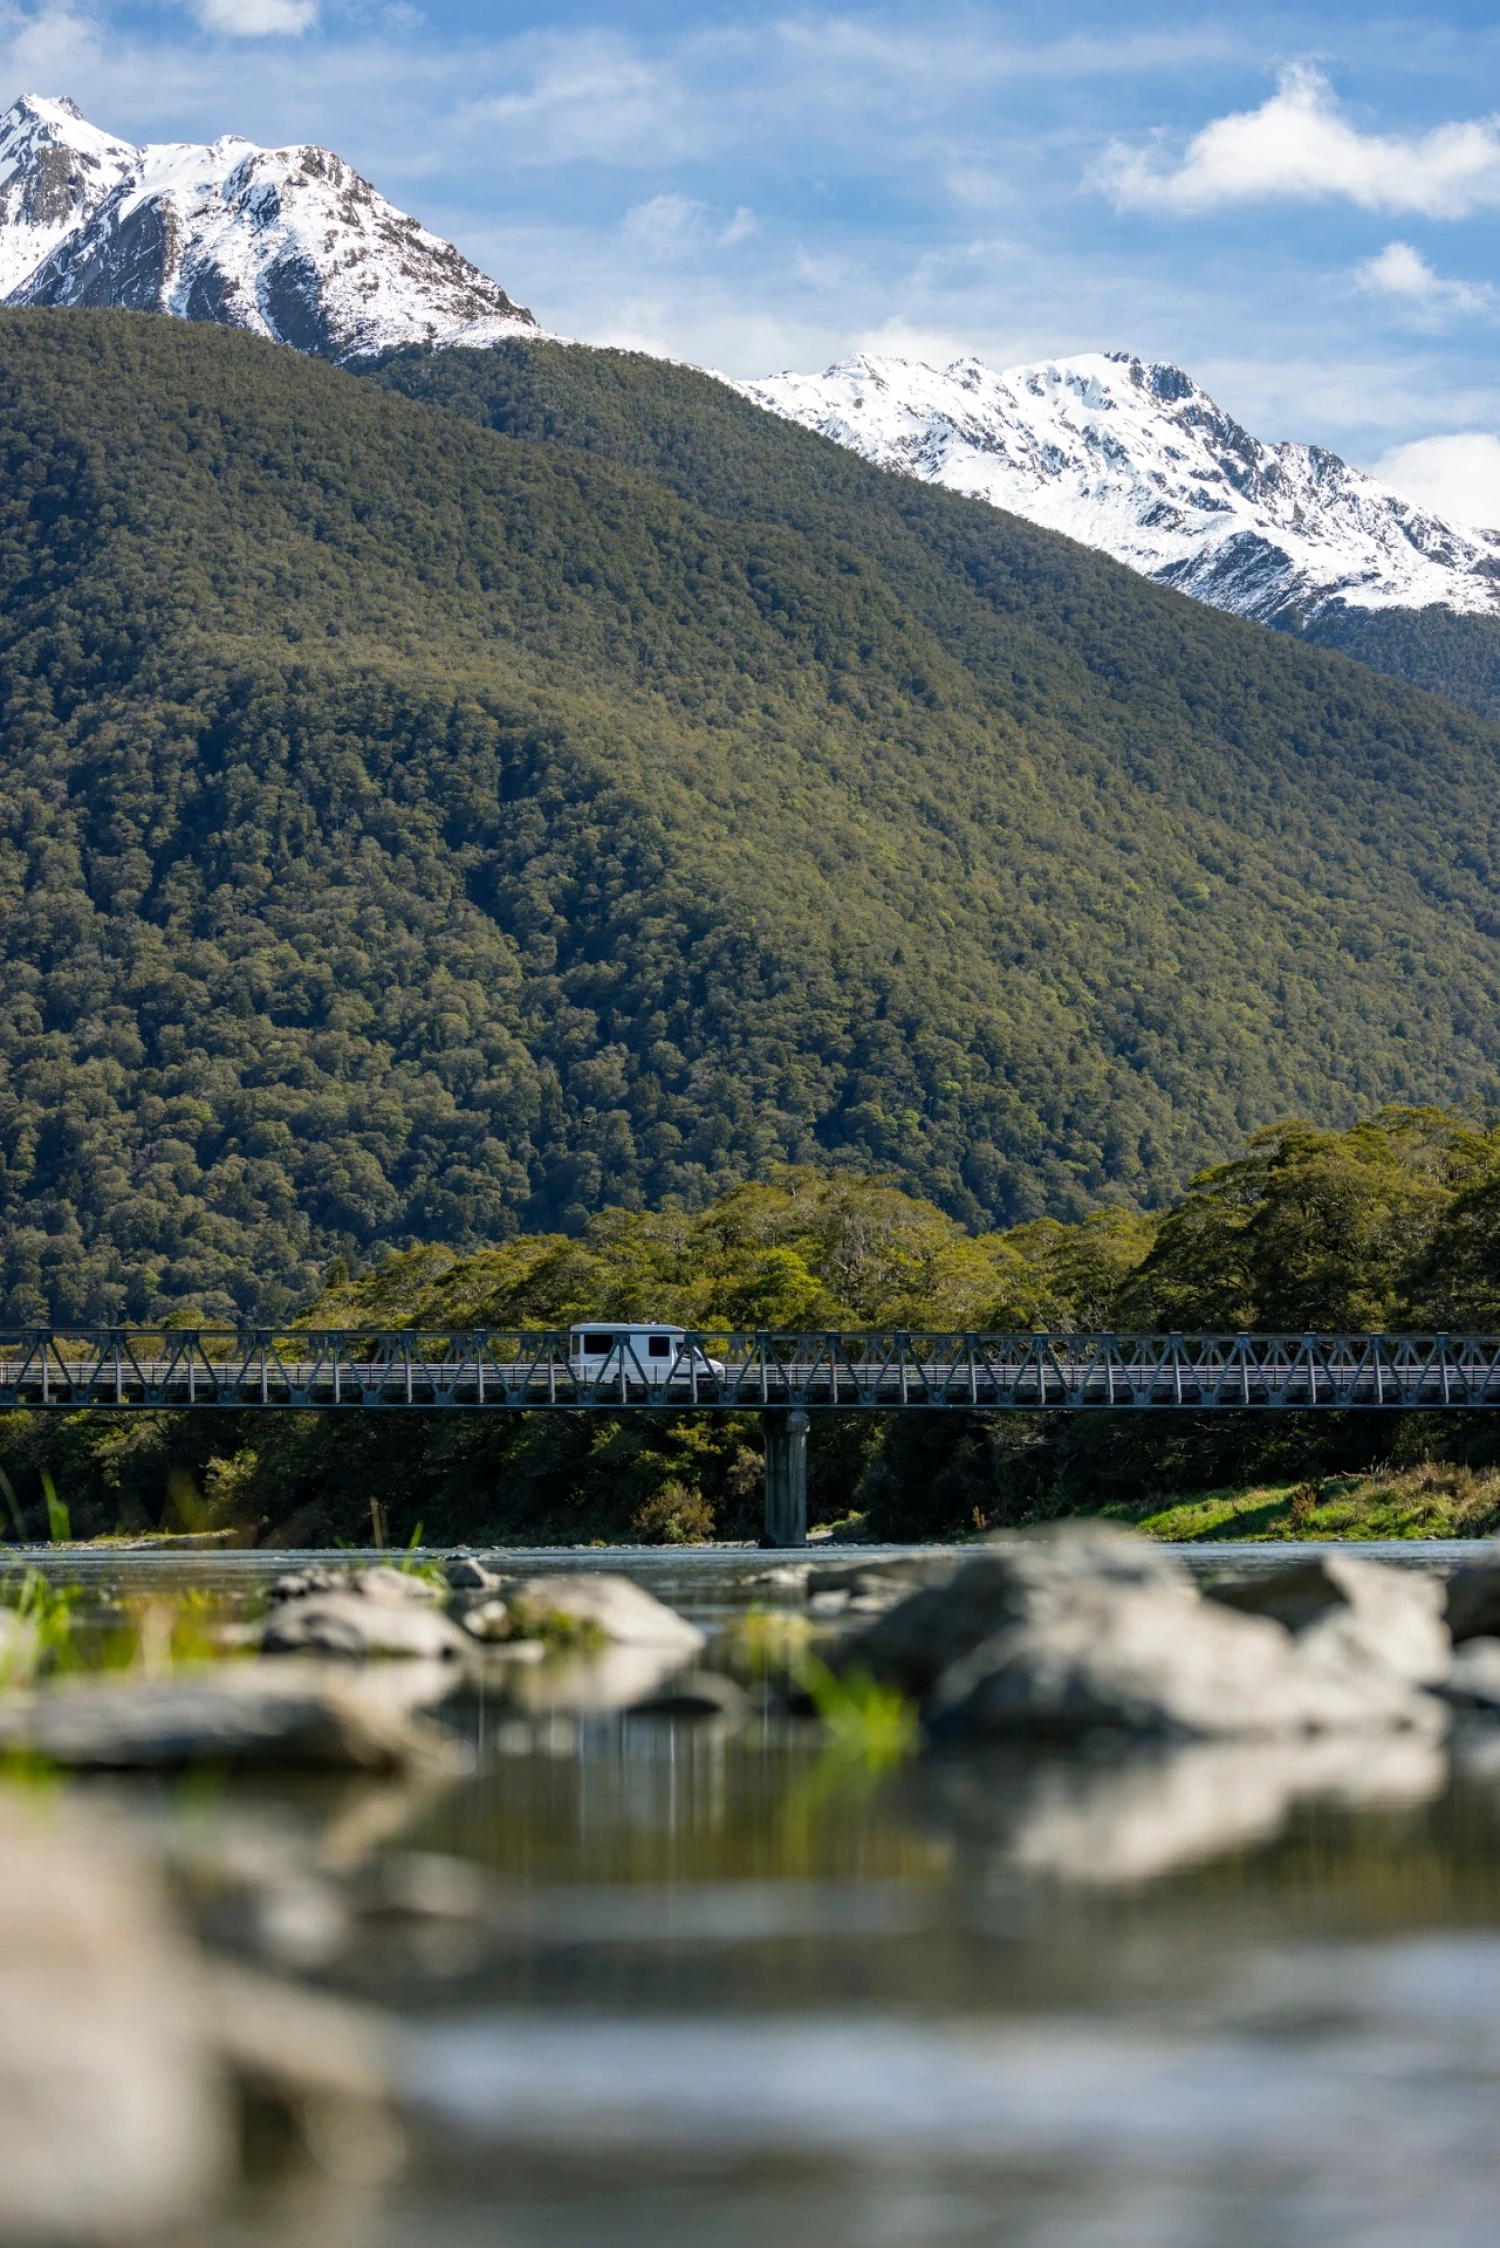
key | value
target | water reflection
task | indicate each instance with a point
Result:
(662, 1980)
(1132, 1816)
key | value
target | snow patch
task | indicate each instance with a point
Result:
(290, 243)
(1132, 457)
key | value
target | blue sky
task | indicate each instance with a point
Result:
(1301, 207)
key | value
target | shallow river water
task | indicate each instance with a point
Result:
(666, 1984)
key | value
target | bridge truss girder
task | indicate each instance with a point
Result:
(297, 1369)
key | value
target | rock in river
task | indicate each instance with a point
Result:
(1009, 1581)
(115, 2116)
(355, 1624)
(589, 1605)
(1473, 1680)
(1082, 1629)
(466, 1572)
(124, 2051)
(1474, 1600)
(1348, 1611)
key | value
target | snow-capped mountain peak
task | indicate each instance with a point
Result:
(1131, 456)
(55, 170)
(289, 242)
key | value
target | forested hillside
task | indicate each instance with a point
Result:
(693, 433)
(416, 831)
(1432, 648)
(1394, 1222)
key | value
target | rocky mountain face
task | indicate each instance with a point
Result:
(1135, 459)
(290, 243)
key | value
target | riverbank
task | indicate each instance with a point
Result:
(1432, 1500)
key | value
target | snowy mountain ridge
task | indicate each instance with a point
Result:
(1134, 458)
(290, 243)
(1125, 455)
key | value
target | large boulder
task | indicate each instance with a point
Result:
(318, 1576)
(487, 1620)
(1138, 1659)
(357, 1624)
(1011, 1580)
(591, 1608)
(1348, 1611)
(467, 1573)
(116, 2120)
(1083, 1627)
(379, 1582)
(1473, 1601)
(125, 2053)
(1473, 1680)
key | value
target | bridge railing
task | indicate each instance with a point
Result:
(124, 1369)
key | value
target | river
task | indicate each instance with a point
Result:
(666, 1982)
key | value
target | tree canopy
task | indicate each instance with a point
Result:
(440, 817)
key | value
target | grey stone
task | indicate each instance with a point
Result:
(1473, 1602)
(467, 1573)
(379, 1582)
(116, 2117)
(1008, 1581)
(384, 1583)
(1473, 1679)
(1139, 1659)
(1346, 1610)
(357, 1625)
(609, 1607)
(787, 1576)
(487, 1620)
(298, 1583)
(280, 1713)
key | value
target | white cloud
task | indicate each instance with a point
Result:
(589, 97)
(665, 225)
(1402, 272)
(1456, 477)
(256, 19)
(1299, 143)
(671, 225)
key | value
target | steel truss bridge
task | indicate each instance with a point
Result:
(183, 1369)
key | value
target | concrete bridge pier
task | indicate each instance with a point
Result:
(786, 1478)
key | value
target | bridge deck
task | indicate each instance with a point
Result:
(125, 1369)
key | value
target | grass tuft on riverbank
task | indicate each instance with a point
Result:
(1431, 1500)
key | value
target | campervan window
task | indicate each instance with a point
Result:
(596, 1346)
(660, 1346)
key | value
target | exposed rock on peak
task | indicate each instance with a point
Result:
(55, 171)
(290, 243)
(1133, 457)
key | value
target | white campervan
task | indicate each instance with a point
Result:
(649, 1353)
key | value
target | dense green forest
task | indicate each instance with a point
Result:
(668, 422)
(1396, 1220)
(416, 831)
(1432, 648)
